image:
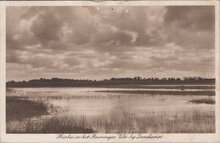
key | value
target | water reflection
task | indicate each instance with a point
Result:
(116, 112)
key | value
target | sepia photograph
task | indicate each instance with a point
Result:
(110, 69)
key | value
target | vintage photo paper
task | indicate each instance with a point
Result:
(110, 71)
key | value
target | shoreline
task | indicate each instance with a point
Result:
(20, 108)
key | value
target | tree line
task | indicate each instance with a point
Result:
(61, 82)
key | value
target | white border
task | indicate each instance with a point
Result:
(215, 137)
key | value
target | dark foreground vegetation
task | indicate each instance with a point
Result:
(19, 112)
(113, 82)
(18, 108)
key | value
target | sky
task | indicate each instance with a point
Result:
(102, 42)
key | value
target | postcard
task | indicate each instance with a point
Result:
(111, 71)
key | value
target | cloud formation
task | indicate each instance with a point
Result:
(102, 42)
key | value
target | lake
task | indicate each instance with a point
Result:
(104, 110)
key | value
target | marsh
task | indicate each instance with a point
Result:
(104, 110)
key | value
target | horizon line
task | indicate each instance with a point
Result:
(141, 78)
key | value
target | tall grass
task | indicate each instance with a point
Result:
(18, 108)
(52, 125)
(125, 122)
(25, 116)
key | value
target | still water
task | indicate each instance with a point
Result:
(88, 102)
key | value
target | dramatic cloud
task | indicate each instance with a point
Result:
(103, 42)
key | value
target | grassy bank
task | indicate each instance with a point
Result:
(18, 108)
(19, 114)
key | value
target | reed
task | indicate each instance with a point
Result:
(195, 121)
(18, 108)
